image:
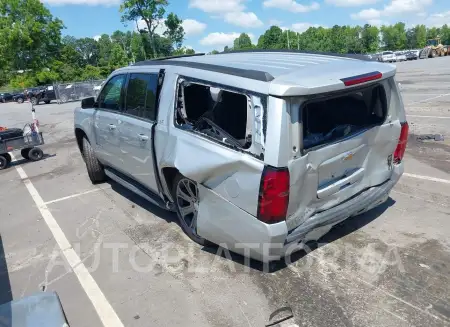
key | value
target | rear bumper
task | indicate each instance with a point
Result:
(227, 225)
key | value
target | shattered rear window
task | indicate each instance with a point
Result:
(329, 119)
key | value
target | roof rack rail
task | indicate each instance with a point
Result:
(246, 73)
(348, 55)
(170, 57)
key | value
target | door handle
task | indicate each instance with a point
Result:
(143, 137)
(112, 127)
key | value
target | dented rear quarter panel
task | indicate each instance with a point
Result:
(229, 174)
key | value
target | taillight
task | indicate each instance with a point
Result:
(354, 80)
(401, 146)
(273, 195)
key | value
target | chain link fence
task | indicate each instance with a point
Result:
(75, 91)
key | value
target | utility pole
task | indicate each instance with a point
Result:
(298, 41)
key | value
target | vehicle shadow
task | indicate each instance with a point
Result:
(22, 161)
(168, 216)
(340, 230)
(5, 286)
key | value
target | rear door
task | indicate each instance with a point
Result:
(135, 128)
(106, 122)
(345, 151)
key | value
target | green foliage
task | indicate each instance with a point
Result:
(150, 11)
(29, 34)
(175, 31)
(243, 42)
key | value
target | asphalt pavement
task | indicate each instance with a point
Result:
(116, 260)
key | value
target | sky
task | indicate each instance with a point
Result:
(213, 24)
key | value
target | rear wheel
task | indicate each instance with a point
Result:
(186, 197)
(20, 100)
(24, 153)
(35, 154)
(95, 169)
(64, 98)
(3, 162)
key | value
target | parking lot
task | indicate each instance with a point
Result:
(119, 261)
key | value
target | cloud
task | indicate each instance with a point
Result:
(395, 8)
(97, 37)
(350, 3)
(218, 6)
(367, 14)
(83, 2)
(193, 27)
(377, 22)
(403, 6)
(437, 20)
(221, 39)
(291, 5)
(243, 19)
(301, 27)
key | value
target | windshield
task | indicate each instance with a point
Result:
(387, 53)
(432, 42)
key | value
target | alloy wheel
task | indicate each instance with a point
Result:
(187, 203)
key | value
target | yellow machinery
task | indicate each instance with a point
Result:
(434, 48)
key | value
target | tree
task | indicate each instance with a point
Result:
(370, 38)
(214, 52)
(150, 11)
(29, 34)
(243, 42)
(174, 30)
(118, 56)
(89, 51)
(271, 39)
(104, 49)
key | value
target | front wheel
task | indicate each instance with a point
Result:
(3, 162)
(433, 53)
(64, 98)
(186, 197)
(95, 169)
(25, 152)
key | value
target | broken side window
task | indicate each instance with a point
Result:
(215, 112)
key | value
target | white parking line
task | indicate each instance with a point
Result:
(428, 99)
(419, 116)
(427, 178)
(72, 196)
(104, 309)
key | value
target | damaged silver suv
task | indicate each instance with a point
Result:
(256, 151)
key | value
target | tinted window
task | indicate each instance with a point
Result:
(110, 96)
(141, 95)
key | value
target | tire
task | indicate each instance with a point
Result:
(47, 101)
(433, 53)
(8, 157)
(94, 168)
(181, 184)
(20, 100)
(35, 154)
(25, 152)
(64, 98)
(3, 162)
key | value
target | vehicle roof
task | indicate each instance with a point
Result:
(289, 73)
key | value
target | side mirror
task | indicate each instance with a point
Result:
(88, 103)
